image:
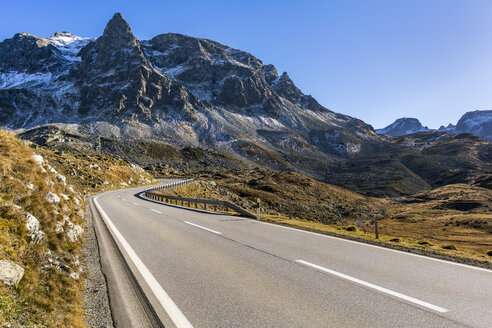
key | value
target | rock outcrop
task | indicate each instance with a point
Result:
(10, 273)
(33, 228)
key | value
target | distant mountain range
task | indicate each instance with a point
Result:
(186, 101)
(477, 122)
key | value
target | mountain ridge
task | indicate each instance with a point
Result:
(478, 122)
(238, 83)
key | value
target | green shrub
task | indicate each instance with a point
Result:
(395, 240)
(450, 246)
(489, 253)
(351, 228)
(424, 242)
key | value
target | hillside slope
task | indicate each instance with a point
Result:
(42, 213)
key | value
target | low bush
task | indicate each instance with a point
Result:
(489, 253)
(450, 246)
(395, 240)
(424, 242)
(351, 228)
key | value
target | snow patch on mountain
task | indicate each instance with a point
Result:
(12, 80)
(69, 44)
(67, 40)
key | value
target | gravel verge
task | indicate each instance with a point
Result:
(96, 300)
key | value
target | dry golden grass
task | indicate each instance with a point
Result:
(46, 295)
(433, 216)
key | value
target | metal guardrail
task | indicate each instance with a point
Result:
(191, 202)
(171, 185)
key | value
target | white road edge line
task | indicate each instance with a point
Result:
(375, 246)
(376, 287)
(155, 211)
(198, 226)
(167, 303)
(136, 204)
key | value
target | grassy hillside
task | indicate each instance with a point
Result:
(457, 214)
(454, 220)
(49, 186)
(283, 193)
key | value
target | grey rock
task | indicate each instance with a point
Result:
(10, 273)
(34, 229)
(52, 198)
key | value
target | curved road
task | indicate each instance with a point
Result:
(223, 271)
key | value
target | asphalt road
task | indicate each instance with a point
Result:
(212, 270)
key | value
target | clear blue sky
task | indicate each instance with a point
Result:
(375, 60)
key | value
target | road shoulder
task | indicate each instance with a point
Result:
(96, 300)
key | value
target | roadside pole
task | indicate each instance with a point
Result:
(258, 210)
(376, 228)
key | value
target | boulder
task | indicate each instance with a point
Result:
(10, 273)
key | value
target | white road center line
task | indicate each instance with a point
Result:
(376, 287)
(167, 303)
(155, 211)
(198, 226)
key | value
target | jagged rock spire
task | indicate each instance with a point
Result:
(117, 34)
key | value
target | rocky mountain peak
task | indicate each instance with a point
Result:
(117, 34)
(286, 88)
(403, 126)
(116, 49)
(478, 122)
(63, 33)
